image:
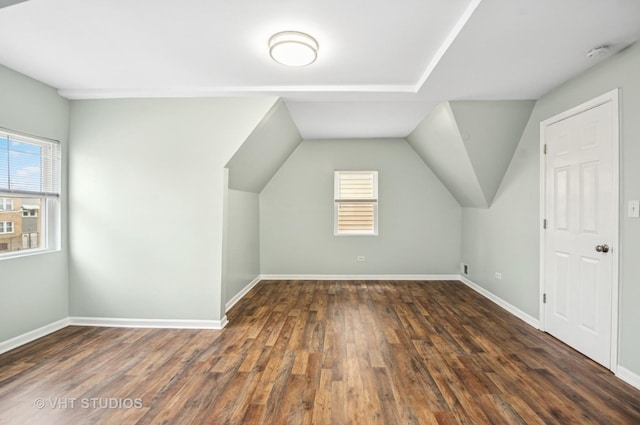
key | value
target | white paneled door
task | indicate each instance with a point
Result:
(580, 236)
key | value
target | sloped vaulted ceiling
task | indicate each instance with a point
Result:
(469, 145)
(7, 3)
(265, 150)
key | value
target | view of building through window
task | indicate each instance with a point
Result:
(29, 193)
(20, 224)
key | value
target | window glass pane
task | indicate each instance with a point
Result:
(356, 186)
(29, 191)
(29, 165)
(356, 216)
(356, 196)
(21, 227)
(6, 204)
(20, 166)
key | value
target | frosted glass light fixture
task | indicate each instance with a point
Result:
(293, 48)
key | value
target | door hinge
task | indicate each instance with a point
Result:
(544, 149)
(544, 223)
(544, 298)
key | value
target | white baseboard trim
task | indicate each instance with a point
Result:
(114, 322)
(629, 377)
(502, 303)
(359, 277)
(241, 294)
(223, 322)
(27, 337)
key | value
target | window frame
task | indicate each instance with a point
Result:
(29, 213)
(4, 225)
(4, 203)
(338, 200)
(50, 206)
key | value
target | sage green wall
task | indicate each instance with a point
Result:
(469, 144)
(419, 220)
(505, 238)
(146, 198)
(243, 241)
(33, 289)
(490, 130)
(438, 142)
(265, 150)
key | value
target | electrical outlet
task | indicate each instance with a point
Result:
(465, 269)
(498, 275)
(361, 258)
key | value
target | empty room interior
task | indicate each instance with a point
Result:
(287, 212)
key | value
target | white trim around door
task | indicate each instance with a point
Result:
(613, 98)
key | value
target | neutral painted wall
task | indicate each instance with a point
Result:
(33, 289)
(438, 141)
(469, 144)
(146, 184)
(491, 130)
(505, 238)
(419, 220)
(264, 151)
(243, 241)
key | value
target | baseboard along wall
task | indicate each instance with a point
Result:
(115, 322)
(27, 337)
(621, 372)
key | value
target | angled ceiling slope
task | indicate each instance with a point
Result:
(265, 150)
(7, 3)
(469, 145)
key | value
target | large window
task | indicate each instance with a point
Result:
(356, 203)
(29, 194)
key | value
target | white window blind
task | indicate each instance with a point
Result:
(29, 166)
(356, 203)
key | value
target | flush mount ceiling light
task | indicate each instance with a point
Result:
(293, 48)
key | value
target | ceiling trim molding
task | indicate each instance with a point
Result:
(228, 91)
(444, 47)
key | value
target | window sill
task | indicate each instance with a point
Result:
(355, 234)
(26, 253)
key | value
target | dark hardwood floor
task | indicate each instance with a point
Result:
(323, 352)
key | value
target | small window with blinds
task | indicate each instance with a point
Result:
(29, 194)
(356, 203)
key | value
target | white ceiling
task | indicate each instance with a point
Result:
(382, 65)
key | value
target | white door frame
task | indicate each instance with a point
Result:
(613, 97)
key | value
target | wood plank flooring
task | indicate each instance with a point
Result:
(318, 352)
